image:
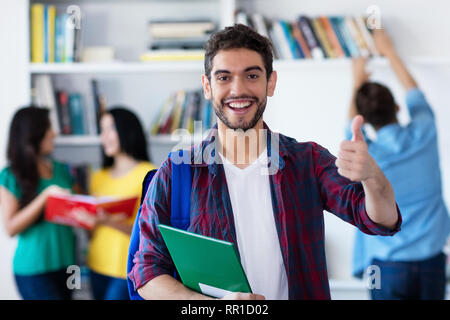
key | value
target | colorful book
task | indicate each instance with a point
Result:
(323, 38)
(76, 114)
(178, 109)
(286, 52)
(311, 38)
(298, 36)
(61, 209)
(69, 39)
(173, 55)
(45, 97)
(350, 43)
(335, 26)
(293, 45)
(37, 33)
(50, 23)
(331, 35)
(357, 37)
(63, 112)
(361, 24)
(260, 24)
(59, 38)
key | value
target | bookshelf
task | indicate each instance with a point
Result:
(315, 113)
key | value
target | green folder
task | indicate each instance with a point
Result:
(205, 264)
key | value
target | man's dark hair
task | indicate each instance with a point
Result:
(236, 37)
(376, 104)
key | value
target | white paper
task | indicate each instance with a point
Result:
(213, 291)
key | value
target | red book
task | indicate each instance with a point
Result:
(59, 208)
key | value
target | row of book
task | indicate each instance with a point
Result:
(70, 113)
(55, 37)
(178, 39)
(314, 37)
(181, 110)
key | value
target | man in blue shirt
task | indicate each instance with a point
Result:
(412, 264)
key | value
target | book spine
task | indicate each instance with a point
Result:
(356, 36)
(334, 25)
(297, 34)
(46, 97)
(331, 35)
(311, 39)
(293, 45)
(283, 41)
(97, 104)
(69, 38)
(361, 23)
(323, 39)
(64, 112)
(275, 44)
(76, 113)
(351, 45)
(51, 14)
(46, 33)
(37, 33)
(179, 101)
(260, 24)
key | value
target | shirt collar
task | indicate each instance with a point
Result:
(205, 155)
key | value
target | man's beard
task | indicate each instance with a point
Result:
(219, 108)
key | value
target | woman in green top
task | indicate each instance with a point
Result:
(44, 250)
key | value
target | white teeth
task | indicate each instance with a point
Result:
(240, 105)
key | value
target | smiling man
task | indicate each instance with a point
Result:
(275, 218)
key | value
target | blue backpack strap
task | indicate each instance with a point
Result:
(180, 211)
(134, 239)
(181, 193)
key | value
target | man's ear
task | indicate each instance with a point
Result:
(397, 108)
(271, 84)
(206, 87)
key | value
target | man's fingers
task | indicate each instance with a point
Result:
(343, 164)
(357, 123)
(354, 146)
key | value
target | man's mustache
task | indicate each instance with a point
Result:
(241, 97)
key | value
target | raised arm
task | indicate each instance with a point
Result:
(359, 77)
(385, 47)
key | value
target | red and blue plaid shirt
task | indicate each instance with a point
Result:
(305, 184)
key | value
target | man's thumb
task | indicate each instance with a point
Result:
(357, 123)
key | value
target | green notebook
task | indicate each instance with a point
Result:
(205, 264)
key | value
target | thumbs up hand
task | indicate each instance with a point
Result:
(354, 161)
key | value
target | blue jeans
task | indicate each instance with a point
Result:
(45, 286)
(411, 280)
(108, 288)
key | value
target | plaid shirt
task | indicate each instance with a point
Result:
(305, 184)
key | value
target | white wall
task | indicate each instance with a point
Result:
(13, 93)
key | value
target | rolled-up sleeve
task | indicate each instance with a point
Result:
(344, 198)
(152, 258)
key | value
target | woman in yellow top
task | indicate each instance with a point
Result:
(125, 164)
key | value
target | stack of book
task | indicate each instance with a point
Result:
(181, 110)
(54, 37)
(178, 39)
(314, 37)
(69, 113)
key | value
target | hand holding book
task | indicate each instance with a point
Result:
(86, 211)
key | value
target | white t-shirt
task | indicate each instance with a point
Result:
(257, 237)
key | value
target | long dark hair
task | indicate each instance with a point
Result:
(28, 128)
(131, 136)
